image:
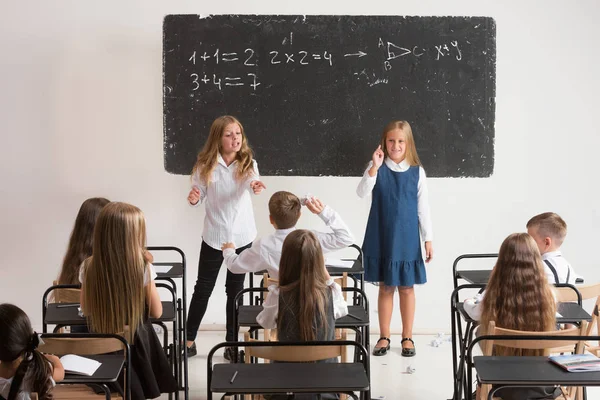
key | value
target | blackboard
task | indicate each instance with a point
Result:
(314, 92)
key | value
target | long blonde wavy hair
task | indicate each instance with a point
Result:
(518, 295)
(207, 158)
(303, 281)
(411, 149)
(114, 294)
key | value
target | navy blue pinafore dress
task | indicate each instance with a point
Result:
(392, 245)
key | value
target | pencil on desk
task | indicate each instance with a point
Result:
(233, 377)
(354, 316)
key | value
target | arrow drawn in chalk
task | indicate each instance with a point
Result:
(359, 54)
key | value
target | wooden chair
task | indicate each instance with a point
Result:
(65, 295)
(546, 346)
(92, 344)
(592, 292)
(340, 334)
(292, 354)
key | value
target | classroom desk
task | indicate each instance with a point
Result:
(67, 314)
(528, 371)
(297, 377)
(570, 313)
(108, 372)
(357, 318)
(247, 317)
(483, 276)
(178, 271)
(525, 371)
(357, 269)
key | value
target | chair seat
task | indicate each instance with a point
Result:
(168, 314)
(247, 316)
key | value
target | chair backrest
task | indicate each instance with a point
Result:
(80, 346)
(295, 353)
(592, 292)
(65, 295)
(564, 293)
(549, 346)
(84, 345)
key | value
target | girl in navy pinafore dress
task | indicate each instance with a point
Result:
(399, 216)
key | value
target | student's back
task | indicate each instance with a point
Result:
(118, 291)
(306, 302)
(519, 297)
(81, 240)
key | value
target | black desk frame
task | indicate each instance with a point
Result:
(181, 308)
(364, 356)
(83, 379)
(524, 382)
(463, 341)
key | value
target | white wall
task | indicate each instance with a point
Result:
(81, 116)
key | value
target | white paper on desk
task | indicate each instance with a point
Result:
(337, 263)
(162, 269)
(558, 315)
(74, 364)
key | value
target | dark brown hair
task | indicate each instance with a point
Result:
(284, 208)
(17, 339)
(82, 238)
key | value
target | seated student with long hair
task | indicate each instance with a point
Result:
(307, 301)
(118, 290)
(519, 297)
(23, 369)
(81, 240)
(80, 245)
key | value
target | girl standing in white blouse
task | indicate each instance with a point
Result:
(222, 178)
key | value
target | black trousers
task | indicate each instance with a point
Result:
(208, 269)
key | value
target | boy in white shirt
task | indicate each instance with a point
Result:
(549, 231)
(284, 210)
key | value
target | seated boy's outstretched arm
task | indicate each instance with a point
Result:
(340, 237)
(248, 260)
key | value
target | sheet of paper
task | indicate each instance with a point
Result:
(162, 269)
(337, 263)
(79, 365)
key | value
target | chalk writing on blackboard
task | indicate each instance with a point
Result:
(313, 92)
(304, 57)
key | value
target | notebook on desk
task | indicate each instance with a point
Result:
(577, 362)
(74, 364)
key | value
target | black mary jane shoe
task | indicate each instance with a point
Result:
(382, 351)
(411, 352)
